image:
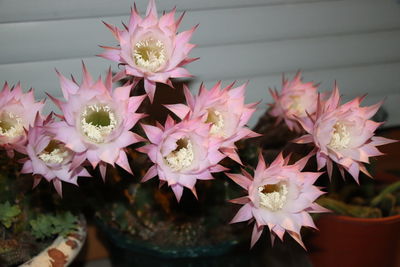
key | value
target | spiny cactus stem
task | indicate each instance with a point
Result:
(388, 190)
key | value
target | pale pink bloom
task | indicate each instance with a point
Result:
(224, 109)
(150, 48)
(280, 197)
(17, 113)
(97, 120)
(50, 158)
(343, 134)
(182, 153)
(295, 101)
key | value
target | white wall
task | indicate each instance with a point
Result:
(354, 42)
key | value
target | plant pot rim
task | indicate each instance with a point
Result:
(63, 250)
(137, 245)
(343, 218)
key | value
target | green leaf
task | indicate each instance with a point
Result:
(48, 225)
(8, 213)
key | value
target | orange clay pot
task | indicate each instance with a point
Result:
(347, 241)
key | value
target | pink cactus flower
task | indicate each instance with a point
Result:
(17, 113)
(150, 48)
(50, 158)
(182, 153)
(225, 110)
(295, 101)
(279, 196)
(97, 120)
(343, 134)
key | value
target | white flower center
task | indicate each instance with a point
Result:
(150, 54)
(273, 196)
(182, 157)
(54, 153)
(217, 128)
(340, 137)
(97, 122)
(296, 107)
(11, 125)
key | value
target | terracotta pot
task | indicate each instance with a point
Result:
(347, 241)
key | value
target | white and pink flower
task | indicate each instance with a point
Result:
(17, 113)
(343, 134)
(296, 100)
(182, 153)
(280, 197)
(150, 48)
(225, 110)
(50, 158)
(97, 121)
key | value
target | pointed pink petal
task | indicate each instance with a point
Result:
(58, 186)
(151, 8)
(279, 231)
(364, 170)
(27, 167)
(179, 110)
(36, 181)
(244, 214)
(329, 167)
(84, 173)
(123, 162)
(150, 88)
(151, 172)
(248, 175)
(103, 170)
(169, 122)
(178, 190)
(354, 170)
(111, 53)
(154, 134)
(240, 200)
(189, 97)
(302, 162)
(257, 231)
(261, 163)
(108, 81)
(119, 76)
(87, 78)
(379, 141)
(231, 153)
(321, 161)
(308, 138)
(179, 73)
(68, 87)
(371, 110)
(113, 29)
(218, 168)
(241, 180)
(122, 93)
(297, 237)
(135, 102)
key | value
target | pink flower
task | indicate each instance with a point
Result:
(150, 48)
(17, 113)
(279, 196)
(343, 134)
(225, 110)
(295, 101)
(97, 120)
(50, 158)
(182, 153)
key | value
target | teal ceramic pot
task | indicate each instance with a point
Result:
(126, 251)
